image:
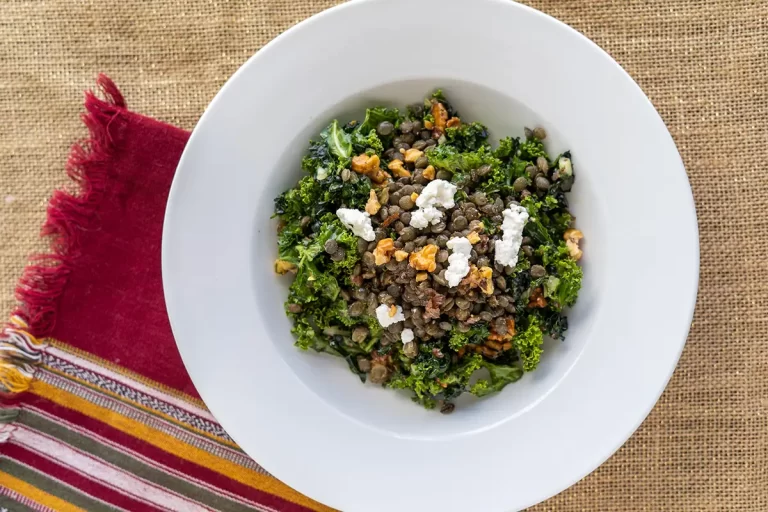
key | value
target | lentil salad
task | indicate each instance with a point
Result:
(421, 255)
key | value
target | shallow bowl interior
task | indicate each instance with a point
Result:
(329, 376)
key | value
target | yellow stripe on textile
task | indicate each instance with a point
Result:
(20, 352)
(36, 495)
(174, 446)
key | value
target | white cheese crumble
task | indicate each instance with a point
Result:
(436, 193)
(458, 261)
(358, 221)
(423, 217)
(507, 248)
(406, 336)
(382, 313)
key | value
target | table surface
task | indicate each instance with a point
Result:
(704, 65)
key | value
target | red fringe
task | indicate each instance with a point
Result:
(44, 279)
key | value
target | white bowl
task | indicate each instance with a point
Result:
(304, 416)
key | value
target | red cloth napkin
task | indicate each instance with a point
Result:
(109, 295)
(102, 414)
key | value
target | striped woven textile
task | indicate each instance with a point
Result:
(94, 416)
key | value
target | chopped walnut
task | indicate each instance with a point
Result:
(537, 300)
(424, 259)
(369, 165)
(429, 173)
(441, 118)
(414, 196)
(481, 278)
(473, 237)
(397, 168)
(283, 267)
(494, 336)
(421, 276)
(453, 122)
(411, 155)
(400, 255)
(373, 205)
(384, 251)
(392, 311)
(572, 238)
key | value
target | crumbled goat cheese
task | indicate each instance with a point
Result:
(423, 217)
(358, 221)
(407, 335)
(458, 261)
(507, 248)
(436, 193)
(382, 313)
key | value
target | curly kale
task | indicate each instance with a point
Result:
(339, 142)
(531, 149)
(565, 275)
(467, 137)
(548, 219)
(448, 158)
(376, 115)
(528, 345)
(366, 143)
(500, 376)
(475, 335)
(433, 378)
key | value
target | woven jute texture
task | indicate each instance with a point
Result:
(704, 64)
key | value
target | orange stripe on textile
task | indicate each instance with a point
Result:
(38, 496)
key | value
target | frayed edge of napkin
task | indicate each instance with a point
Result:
(68, 215)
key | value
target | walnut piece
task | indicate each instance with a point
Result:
(481, 278)
(369, 165)
(452, 122)
(429, 173)
(537, 300)
(421, 276)
(411, 155)
(400, 255)
(384, 251)
(494, 336)
(424, 259)
(572, 238)
(473, 237)
(283, 267)
(397, 168)
(441, 118)
(373, 205)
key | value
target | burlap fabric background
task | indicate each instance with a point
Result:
(704, 65)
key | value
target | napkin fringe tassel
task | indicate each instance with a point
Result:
(68, 215)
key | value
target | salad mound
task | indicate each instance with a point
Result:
(421, 255)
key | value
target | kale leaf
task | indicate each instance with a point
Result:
(528, 344)
(467, 137)
(475, 335)
(500, 376)
(339, 142)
